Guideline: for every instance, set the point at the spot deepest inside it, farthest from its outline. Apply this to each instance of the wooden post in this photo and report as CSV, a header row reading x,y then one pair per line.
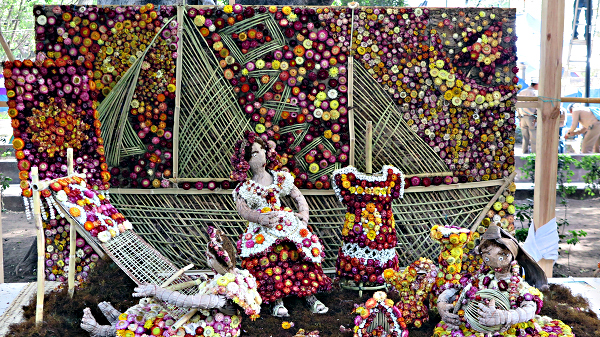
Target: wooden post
x,y
369,148
6,48
546,163
1,248
41,250
351,154
72,233
178,74
231,2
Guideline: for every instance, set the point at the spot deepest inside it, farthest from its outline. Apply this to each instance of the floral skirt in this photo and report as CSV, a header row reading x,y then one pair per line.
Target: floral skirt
x,y
539,326
284,271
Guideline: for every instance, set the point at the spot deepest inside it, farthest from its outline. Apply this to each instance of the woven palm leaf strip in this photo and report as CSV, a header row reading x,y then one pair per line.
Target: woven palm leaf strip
x,y
210,118
119,137
176,224
144,264
393,141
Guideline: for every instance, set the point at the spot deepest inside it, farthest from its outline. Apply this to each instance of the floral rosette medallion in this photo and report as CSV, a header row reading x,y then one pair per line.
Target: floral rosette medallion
x,y
150,318
414,285
369,231
88,207
366,314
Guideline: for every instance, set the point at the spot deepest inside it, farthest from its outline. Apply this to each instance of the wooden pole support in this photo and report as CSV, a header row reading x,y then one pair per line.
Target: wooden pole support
x,y
231,2
546,164
178,75
351,111
369,148
1,248
41,250
72,233
6,48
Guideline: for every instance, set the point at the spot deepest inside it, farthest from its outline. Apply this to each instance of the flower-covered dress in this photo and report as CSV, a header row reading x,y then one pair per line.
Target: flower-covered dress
x,y
286,259
369,231
517,291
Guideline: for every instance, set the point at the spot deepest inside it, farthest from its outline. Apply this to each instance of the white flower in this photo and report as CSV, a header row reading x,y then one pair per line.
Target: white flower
x,y
332,94
61,196
104,236
127,224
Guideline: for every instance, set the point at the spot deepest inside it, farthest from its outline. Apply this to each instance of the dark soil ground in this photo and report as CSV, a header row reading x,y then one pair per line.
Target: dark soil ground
x,y
62,314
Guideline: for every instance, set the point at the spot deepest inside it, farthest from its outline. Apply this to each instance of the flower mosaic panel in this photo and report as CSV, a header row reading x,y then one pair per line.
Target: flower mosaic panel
x,y
452,74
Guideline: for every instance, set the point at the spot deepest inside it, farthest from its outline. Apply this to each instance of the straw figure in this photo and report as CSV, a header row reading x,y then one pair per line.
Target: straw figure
x,y
215,300
278,246
497,301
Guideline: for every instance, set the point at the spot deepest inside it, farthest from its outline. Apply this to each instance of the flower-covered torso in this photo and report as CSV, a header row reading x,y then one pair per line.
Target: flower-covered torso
x,y
369,231
259,239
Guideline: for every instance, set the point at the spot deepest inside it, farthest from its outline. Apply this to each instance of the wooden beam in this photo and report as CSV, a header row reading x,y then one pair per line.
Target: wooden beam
x,y
72,233
178,75
1,248
501,189
369,148
41,250
546,164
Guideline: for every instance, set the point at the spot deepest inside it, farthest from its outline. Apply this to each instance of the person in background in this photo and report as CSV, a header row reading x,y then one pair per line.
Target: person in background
x,y
562,122
576,10
590,126
527,118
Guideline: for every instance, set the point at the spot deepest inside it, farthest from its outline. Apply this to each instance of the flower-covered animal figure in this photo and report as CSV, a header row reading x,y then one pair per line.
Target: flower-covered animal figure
x,y
497,301
217,302
278,247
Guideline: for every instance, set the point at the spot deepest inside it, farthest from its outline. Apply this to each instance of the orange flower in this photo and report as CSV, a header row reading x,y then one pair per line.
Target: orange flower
x,y
74,211
260,239
303,232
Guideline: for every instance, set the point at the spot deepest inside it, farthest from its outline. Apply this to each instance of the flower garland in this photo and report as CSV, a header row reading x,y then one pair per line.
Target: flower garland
x,y
89,207
238,160
414,285
367,312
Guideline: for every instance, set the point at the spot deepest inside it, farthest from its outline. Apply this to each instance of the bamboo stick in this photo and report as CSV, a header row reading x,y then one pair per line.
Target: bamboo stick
x,y
37,216
507,181
42,185
351,130
176,275
72,233
369,148
178,73
6,48
82,232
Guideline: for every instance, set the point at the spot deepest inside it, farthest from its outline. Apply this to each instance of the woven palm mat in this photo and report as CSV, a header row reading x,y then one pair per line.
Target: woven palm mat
x,y
176,224
210,118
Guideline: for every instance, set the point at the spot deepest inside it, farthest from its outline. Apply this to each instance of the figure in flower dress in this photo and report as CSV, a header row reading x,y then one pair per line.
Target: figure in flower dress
x,y
369,231
497,301
278,247
217,301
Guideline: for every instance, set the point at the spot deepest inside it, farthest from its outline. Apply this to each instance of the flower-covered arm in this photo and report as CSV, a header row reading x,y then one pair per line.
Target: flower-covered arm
x,y
490,315
445,308
200,301
303,210
265,219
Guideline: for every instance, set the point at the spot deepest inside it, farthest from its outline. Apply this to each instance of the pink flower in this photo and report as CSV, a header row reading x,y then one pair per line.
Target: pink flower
x,y
250,244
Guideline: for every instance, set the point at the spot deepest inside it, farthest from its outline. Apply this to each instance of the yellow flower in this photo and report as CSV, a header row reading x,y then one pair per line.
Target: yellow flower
x,y
371,235
228,9
222,281
286,10
534,291
171,87
286,325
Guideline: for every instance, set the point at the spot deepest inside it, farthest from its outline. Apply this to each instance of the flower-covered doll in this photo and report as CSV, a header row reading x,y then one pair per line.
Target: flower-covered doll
x,y
278,247
216,301
476,313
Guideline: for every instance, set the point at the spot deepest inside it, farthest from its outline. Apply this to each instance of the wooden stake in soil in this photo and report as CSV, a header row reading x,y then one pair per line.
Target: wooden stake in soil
x,y
1,249
546,164
72,233
37,216
369,148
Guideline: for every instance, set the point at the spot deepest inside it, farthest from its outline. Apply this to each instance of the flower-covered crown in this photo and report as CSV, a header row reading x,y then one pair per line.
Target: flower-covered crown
x,y
238,160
